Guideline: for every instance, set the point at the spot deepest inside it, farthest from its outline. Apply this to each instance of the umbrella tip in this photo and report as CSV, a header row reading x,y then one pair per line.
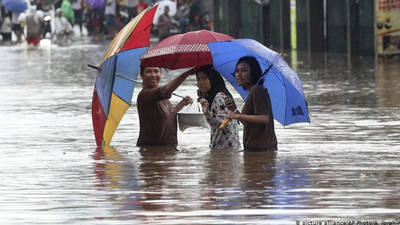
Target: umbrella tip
x,y
93,66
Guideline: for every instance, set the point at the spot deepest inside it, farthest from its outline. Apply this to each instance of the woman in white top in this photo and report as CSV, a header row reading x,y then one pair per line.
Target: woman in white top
x,y
212,95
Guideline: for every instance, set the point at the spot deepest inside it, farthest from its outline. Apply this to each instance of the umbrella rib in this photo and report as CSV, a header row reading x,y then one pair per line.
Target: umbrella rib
x,y
128,78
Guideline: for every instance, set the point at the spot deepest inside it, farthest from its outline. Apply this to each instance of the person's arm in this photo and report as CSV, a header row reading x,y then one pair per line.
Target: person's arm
x,y
259,119
184,102
175,83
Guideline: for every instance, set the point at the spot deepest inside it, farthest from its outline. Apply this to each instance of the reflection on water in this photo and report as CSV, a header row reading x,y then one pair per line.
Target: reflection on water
x,y
343,165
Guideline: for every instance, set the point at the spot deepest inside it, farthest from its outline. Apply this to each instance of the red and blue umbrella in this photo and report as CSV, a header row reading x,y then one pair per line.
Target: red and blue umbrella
x,y
116,77
15,5
284,86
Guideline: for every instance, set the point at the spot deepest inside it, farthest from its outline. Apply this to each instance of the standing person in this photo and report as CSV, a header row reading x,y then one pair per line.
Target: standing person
x,y
213,92
67,10
194,15
157,116
96,20
256,116
6,27
164,24
16,26
110,12
130,5
77,6
182,16
140,6
34,27
62,29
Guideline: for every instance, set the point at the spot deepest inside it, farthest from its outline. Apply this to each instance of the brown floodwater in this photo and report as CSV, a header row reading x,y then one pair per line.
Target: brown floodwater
x,y
343,166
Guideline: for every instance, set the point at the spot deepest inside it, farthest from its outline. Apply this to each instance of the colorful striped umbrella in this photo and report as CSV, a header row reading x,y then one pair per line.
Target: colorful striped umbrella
x,y
115,82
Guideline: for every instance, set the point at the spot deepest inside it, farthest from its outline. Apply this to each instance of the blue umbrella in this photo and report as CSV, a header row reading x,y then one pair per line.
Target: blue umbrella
x,y
15,5
286,92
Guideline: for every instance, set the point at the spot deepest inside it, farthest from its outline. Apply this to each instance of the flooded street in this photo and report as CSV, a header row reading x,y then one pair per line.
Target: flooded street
x,y
343,166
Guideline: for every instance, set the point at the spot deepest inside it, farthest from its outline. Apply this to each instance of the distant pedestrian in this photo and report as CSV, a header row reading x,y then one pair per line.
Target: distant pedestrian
x,y
34,26
62,29
110,13
140,6
6,27
130,5
77,6
16,26
183,16
194,15
96,20
164,24
67,10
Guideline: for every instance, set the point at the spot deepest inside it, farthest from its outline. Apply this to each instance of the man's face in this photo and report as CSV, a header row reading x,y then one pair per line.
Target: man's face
x,y
151,76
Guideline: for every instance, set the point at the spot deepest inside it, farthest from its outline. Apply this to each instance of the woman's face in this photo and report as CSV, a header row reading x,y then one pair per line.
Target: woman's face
x,y
243,75
203,83
151,76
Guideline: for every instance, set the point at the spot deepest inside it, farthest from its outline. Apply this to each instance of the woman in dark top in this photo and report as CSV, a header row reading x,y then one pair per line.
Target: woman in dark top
x,y
256,116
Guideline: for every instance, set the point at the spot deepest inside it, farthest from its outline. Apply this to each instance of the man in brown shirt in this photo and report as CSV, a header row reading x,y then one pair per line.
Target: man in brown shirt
x,y
157,116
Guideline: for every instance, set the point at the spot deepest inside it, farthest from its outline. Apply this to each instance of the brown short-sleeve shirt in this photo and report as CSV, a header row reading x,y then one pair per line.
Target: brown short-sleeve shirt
x,y
258,137
157,118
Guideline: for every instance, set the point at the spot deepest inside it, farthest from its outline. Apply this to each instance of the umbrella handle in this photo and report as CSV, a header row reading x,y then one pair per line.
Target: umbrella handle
x,y
223,124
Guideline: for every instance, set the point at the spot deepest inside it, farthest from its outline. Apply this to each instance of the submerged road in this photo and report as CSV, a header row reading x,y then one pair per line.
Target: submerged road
x,y
344,165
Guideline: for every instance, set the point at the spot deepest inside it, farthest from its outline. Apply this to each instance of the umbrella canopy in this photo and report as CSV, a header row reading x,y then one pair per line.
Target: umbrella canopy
x,y
183,50
161,7
115,82
15,5
285,89
96,4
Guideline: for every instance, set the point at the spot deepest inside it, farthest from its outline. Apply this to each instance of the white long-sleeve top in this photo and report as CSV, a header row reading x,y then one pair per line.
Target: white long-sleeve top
x,y
61,25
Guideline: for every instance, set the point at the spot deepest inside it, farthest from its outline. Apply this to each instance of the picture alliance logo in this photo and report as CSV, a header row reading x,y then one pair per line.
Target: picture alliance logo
x,y
350,222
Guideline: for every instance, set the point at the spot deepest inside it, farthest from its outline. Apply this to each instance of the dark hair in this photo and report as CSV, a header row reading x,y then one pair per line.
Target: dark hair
x,y
217,84
144,67
255,69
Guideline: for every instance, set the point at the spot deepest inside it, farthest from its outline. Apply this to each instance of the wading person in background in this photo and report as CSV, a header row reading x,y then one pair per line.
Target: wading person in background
x,y
110,13
212,94
16,26
256,116
62,29
77,6
157,116
164,24
34,26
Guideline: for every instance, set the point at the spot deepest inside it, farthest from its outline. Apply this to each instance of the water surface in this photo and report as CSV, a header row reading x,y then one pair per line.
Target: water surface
x,y
342,166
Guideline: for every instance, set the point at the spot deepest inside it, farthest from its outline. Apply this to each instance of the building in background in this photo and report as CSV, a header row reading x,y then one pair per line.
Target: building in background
x,y
338,26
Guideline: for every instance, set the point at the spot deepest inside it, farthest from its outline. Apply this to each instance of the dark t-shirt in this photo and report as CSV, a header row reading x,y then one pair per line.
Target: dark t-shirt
x,y
259,137
157,117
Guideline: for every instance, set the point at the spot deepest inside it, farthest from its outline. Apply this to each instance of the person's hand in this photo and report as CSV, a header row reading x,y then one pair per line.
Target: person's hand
x,y
204,105
191,71
229,104
187,100
231,115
